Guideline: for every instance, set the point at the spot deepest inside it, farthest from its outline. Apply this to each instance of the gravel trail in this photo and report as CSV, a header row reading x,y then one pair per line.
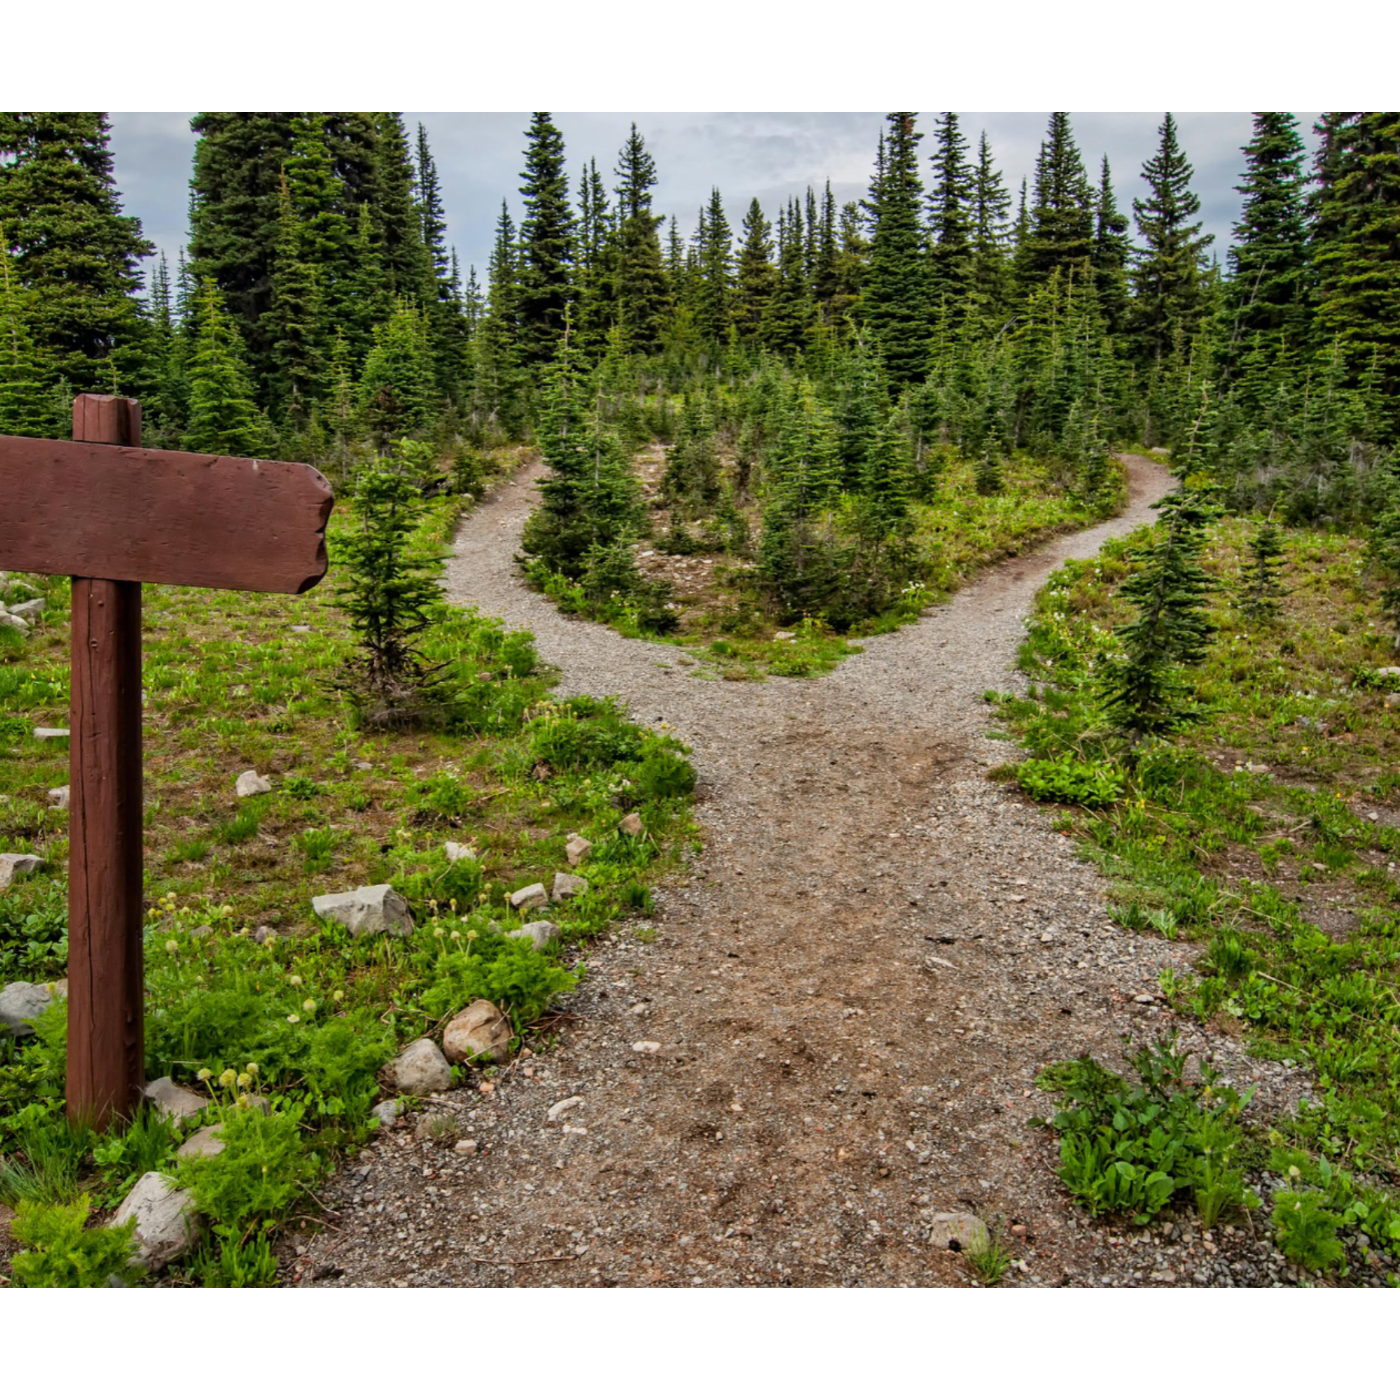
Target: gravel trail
x,y
852,990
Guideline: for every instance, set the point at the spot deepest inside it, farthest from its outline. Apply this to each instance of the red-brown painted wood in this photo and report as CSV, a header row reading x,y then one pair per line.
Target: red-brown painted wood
x,y
120,512
106,986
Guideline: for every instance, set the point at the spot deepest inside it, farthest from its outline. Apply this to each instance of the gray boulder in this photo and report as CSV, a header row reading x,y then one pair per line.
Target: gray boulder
x,y
386,1113
9,619
249,784
28,610
456,851
630,825
567,887
957,1230
369,909
539,933
12,865
577,848
420,1069
59,795
166,1224
205,1143
530,897
481,1032
22,1002
174,1100
42,733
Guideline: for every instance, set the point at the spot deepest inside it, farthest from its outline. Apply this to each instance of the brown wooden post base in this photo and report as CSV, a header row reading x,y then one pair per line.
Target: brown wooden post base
x,y
106,983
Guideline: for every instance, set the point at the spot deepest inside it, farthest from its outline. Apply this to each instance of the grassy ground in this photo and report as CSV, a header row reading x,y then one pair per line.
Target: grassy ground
x,y
246,987
723,629
1269,831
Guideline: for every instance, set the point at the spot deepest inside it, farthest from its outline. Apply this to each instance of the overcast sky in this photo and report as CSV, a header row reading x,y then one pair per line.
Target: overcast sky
x,y
770,154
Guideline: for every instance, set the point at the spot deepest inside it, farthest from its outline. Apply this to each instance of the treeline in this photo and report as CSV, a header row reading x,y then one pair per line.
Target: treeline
x,y
319,311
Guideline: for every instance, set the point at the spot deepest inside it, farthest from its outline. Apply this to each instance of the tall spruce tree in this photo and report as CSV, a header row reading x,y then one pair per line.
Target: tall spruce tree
x,y
27,406
1059,230
952,215
757,278
640,276
896,290
1168,271
788,318
296,326
715,266
398,227
72,248
1266,297
223,416
547,236
396,391
1110,254
1357,256
990,231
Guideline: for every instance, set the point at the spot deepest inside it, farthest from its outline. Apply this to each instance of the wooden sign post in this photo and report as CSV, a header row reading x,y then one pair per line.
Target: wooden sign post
x,y
113,516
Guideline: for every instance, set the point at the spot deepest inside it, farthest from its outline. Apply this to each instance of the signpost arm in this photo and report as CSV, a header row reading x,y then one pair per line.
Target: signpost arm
x,y
106,985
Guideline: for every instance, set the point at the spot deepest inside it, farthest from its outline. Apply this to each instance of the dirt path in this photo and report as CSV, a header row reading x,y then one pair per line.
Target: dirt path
x,y
852,992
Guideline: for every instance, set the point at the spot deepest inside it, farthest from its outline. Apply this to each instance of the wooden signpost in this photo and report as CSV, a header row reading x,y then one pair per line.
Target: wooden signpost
x,y
112,515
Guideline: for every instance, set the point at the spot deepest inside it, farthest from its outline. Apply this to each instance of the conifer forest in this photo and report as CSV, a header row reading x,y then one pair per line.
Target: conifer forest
x,y
874,721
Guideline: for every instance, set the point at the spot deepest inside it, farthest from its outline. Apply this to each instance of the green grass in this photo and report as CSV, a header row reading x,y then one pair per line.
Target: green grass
x,y
304,1014
1250,831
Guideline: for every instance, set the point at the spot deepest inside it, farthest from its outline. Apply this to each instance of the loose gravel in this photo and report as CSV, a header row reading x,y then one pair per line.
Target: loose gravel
x,y
836,1030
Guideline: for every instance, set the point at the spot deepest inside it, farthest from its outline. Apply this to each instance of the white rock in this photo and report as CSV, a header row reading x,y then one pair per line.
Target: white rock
x,y
174,1099
577,848
539,933
567,886
60,798
205,1143
420,1069
12,865
630,825
558,1110
480,1032
466,1148
782,636
249,784
22,1002
8,619
27,610
456,851
647,1047
166,1225
530,897
369,909
42,733
957,1230
387,1113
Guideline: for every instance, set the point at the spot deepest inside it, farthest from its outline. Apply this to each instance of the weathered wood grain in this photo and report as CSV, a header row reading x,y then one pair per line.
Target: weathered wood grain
x,y
106,982
100,511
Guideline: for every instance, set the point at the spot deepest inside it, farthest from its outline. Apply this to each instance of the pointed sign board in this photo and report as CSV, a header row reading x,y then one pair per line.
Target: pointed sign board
x,y
113,515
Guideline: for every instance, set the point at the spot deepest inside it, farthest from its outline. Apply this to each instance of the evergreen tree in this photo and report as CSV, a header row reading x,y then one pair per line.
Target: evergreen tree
x,y
432,222
71,247
1358,256
896,290
989,233
547,243
1110,254
952,212
1058,231
1168,271
398,232
165,401
788,319
223,417
1266,296
296,329
714,266
314,197
26,399
757,278
1142,684
1260,589
396,395
640,276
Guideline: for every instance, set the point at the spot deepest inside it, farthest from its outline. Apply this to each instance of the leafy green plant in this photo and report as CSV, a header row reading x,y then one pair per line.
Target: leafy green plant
x,y
1132,1148
989,1258
1306,1231
260,1174
1066,779
62,1253
666,773
237,1264
504,970
300,786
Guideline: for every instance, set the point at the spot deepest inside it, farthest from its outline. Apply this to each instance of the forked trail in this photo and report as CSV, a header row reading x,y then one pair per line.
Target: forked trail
x,y
852,990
